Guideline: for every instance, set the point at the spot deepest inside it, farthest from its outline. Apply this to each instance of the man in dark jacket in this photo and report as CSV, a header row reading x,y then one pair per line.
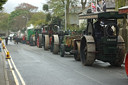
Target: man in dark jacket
x,y
6,40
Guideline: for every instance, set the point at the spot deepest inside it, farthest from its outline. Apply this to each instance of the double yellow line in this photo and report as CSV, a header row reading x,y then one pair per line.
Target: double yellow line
x,y
13,67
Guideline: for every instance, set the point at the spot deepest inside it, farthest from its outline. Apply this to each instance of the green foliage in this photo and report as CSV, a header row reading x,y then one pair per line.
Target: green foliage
x,y
57,7
20,17
120,3
83,25
48,17
1,3
17,13
4,21
37,18
45,7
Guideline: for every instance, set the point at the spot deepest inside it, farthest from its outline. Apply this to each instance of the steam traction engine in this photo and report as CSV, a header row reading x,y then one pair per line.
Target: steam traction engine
x,y
102,40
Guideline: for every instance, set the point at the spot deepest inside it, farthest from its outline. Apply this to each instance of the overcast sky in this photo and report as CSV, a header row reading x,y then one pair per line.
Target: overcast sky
x,y
11,4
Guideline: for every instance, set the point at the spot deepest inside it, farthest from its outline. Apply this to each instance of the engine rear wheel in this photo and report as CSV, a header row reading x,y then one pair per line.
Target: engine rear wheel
x,y
46,42
87,50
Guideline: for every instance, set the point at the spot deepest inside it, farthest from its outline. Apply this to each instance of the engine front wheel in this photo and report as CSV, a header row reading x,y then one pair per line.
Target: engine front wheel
x,y
62,50
87,50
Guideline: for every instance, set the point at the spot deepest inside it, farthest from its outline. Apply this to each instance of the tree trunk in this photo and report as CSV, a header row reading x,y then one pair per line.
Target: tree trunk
x,y
83,3
67,12
126,2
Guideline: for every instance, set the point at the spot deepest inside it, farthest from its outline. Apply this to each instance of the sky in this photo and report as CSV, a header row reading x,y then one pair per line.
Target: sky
x,y
11,4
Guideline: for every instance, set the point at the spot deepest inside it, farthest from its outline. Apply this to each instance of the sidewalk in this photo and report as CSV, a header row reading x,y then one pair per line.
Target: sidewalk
x,y
2,71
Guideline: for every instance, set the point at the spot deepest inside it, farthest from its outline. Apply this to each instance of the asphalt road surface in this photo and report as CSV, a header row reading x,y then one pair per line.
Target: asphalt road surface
x,y
39,67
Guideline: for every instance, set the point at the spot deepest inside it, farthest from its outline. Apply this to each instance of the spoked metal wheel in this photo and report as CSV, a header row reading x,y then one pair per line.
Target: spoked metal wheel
x,y
87,50
46,42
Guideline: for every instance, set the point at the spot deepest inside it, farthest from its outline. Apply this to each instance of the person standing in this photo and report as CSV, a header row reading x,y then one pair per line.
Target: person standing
x,y
10,39
17,40
6,40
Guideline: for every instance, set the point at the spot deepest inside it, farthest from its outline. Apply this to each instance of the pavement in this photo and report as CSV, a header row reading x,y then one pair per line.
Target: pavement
x,y
2,70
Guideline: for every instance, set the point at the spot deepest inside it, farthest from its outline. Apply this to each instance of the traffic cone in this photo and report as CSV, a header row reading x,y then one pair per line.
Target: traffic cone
x,y
8,55
3,46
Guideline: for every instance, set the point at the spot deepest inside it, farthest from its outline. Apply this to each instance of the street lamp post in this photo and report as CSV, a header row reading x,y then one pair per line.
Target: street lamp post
x,y
65,17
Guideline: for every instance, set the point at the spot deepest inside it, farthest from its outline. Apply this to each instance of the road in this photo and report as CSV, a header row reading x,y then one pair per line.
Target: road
x,y
39,67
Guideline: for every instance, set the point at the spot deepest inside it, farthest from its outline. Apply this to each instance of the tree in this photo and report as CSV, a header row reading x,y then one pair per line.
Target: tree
x,y
58,7
83,3
20,17
4,21
1,3
48,18
45,7
120,3
37,18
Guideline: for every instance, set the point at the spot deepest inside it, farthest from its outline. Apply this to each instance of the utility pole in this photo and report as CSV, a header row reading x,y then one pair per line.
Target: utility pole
x,y
65,16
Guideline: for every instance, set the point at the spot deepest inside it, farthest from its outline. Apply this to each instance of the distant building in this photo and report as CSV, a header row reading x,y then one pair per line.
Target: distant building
x,y
73,15
110,5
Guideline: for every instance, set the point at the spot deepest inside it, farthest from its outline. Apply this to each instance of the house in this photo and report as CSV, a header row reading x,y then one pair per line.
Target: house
x,y
73,15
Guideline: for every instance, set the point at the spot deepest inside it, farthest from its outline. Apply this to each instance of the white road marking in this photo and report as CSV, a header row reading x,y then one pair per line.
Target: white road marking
x,y
13,73
18,73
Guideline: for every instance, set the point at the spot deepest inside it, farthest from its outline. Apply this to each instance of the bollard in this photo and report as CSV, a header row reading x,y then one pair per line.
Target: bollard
x,y
8,55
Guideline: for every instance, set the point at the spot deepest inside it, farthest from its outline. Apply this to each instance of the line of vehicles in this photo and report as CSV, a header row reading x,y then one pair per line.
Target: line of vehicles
x,y
100,40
